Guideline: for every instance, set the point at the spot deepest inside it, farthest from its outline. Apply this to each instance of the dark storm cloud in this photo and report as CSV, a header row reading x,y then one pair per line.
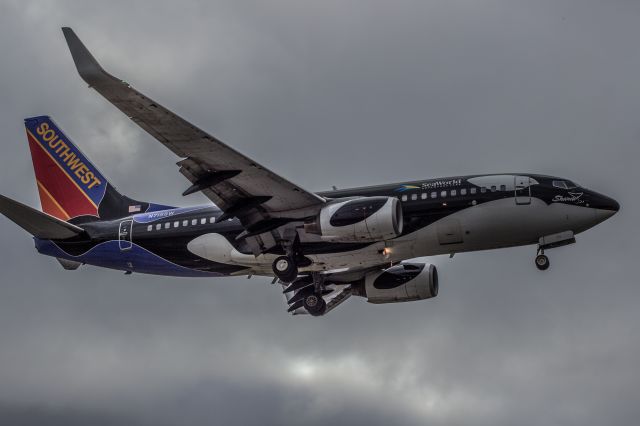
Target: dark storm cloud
x,y
332,93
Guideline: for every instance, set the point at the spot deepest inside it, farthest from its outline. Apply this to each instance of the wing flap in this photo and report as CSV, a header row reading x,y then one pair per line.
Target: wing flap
x,y
37,223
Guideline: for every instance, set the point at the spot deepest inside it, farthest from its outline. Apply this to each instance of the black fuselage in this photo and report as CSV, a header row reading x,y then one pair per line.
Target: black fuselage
x,y
167,234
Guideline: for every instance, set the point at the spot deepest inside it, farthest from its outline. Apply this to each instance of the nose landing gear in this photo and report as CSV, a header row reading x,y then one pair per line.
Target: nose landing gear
x,y
552,241
542,261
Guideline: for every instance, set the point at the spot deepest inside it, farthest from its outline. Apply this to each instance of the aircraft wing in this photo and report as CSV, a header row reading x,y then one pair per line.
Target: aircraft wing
x,y
238,185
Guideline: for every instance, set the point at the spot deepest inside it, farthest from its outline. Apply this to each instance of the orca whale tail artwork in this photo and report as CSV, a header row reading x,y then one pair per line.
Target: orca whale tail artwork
x,y
71,188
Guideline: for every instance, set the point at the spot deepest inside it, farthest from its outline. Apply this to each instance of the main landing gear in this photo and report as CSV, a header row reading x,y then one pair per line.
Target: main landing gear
x,y
285,268
314,302
542,261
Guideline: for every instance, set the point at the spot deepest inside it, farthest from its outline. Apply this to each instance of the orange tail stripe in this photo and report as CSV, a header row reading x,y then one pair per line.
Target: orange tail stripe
x,y
50,205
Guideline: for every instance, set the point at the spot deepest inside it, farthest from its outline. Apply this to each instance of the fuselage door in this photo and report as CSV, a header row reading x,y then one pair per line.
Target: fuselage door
x,y
523,190
124,234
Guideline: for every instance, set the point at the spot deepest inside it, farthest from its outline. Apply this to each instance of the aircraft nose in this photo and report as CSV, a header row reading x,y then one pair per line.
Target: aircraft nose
x,y
606,207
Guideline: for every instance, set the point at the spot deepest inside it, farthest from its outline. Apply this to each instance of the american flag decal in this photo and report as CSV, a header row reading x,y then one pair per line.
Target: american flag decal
x,y
135,209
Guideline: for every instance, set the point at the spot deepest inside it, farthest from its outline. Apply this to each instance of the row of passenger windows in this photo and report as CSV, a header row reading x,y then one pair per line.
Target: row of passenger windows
x,y
405,197
177,223
452,193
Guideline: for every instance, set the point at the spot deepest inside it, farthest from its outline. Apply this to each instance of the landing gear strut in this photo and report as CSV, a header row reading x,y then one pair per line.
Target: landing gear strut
x,y
542,261
286,267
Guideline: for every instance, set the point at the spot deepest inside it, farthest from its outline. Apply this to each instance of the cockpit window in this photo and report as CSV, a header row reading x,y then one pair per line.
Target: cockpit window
x,y
564,184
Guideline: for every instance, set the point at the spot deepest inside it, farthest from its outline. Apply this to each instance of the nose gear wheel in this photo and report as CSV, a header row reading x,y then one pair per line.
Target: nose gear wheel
x,y
542,261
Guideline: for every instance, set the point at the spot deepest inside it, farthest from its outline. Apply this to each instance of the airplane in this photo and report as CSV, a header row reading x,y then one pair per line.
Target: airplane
x,y
321,247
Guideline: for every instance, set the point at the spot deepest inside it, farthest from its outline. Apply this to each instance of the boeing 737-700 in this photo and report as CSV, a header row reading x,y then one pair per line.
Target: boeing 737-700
x,y
321,247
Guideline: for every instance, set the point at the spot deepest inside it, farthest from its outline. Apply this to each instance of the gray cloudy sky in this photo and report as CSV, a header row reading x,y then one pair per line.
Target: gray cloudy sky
x,y
342,93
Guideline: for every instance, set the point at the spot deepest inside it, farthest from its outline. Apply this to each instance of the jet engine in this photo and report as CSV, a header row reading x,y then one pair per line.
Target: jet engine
x,y
400,283
365,219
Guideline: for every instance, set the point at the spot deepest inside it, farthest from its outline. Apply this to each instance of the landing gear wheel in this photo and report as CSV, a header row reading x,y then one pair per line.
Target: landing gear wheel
x,y
542,262
315,304
285,269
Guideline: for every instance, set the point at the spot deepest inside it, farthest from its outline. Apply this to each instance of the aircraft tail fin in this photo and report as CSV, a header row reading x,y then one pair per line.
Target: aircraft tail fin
x,y
37,223
69,185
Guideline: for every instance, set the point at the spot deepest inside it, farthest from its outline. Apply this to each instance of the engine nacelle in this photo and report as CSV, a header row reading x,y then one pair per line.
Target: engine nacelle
x,y
400,283
359,219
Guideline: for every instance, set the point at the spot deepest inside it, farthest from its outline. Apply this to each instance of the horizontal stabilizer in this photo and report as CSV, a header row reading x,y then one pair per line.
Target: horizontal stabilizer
x,y
37,223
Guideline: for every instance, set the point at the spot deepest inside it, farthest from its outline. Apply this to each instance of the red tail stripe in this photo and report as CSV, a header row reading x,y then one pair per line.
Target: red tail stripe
x,y
71,199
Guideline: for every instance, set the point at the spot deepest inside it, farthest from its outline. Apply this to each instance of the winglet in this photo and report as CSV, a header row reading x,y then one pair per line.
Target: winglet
x,y
88,68
37,223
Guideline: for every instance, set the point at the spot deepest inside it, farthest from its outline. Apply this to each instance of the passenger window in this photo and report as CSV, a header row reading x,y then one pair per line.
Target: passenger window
x,y
472,191
503,187
194,222
483,189
185,223
149,228
434,194
454,192
463,191
212,220
176,224
203,221
493,188
167,225
404,198
414,197
443,194
158,227
423,196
